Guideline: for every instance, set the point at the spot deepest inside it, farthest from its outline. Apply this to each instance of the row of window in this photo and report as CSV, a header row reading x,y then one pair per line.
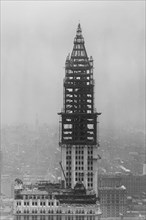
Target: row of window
x,y
90,167
79,174
51,203
90,185
68,162
36,211
68,167
79,179
79,168
68,174
90,152
78,162
90,162
90,179
79,152
68,152
79,157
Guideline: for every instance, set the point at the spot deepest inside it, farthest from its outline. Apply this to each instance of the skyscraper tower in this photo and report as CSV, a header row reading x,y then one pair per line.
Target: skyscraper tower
x,y
79,140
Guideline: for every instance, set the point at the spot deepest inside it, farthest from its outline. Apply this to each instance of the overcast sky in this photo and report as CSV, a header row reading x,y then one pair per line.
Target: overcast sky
x,y
36,37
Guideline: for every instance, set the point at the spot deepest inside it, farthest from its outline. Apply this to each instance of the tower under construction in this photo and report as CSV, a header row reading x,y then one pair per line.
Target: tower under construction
x,y
79,145
79,141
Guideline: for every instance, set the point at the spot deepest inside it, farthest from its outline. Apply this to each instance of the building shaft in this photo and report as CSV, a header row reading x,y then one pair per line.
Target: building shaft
x,y
79,140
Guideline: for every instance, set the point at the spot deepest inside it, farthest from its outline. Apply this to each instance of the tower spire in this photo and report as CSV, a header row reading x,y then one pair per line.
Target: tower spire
x,y
79,30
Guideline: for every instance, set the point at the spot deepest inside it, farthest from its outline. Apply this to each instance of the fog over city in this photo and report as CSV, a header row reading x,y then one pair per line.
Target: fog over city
x,y
73,164
36,38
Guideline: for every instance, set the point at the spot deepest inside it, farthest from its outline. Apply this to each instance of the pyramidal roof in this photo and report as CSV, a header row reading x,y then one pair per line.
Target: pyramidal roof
x,y
79,57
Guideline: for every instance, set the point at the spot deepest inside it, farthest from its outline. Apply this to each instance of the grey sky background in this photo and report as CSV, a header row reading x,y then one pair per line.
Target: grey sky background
x,y
36,37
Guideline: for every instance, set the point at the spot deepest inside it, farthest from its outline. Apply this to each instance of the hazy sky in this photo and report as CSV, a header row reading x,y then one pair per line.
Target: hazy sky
x,y
36,37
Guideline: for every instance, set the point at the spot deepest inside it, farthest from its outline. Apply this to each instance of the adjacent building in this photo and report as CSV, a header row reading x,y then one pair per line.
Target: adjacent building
x,y
109,180
135,184
113,201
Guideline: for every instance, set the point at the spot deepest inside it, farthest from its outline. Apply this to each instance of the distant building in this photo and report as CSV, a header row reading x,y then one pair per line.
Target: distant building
x,y
135,184
108,180
113,201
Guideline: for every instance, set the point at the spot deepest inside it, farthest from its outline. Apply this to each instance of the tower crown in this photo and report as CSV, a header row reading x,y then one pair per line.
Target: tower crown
x,y
79,59
79,117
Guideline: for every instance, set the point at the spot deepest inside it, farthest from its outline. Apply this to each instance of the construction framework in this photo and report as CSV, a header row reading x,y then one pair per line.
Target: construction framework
x,y
79,117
